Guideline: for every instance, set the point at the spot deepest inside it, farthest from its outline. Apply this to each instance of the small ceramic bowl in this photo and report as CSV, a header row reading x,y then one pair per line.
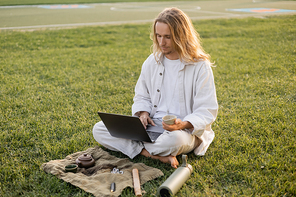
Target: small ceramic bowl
x,y
169,119
71,168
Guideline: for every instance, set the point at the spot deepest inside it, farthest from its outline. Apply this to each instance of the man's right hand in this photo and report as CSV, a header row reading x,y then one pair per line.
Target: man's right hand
x,y
145,119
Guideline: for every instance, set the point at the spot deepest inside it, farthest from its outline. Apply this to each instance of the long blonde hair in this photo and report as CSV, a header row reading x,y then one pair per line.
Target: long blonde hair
x,y
185,38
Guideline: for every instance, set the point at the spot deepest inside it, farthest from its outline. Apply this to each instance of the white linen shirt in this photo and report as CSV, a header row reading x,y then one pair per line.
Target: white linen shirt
x,y
197,96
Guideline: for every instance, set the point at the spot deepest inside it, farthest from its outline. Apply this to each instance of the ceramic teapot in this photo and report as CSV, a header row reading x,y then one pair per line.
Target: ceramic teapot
x,y
85,161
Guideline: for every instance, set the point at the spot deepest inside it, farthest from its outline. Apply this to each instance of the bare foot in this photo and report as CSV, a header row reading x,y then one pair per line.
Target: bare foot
x,y
165,159
169,159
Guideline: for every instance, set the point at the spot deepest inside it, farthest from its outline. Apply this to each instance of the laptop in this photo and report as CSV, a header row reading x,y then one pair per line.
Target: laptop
x,y
130,127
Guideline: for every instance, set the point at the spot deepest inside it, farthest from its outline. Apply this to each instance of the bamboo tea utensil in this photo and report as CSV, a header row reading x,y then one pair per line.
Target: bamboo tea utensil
x,y
136,180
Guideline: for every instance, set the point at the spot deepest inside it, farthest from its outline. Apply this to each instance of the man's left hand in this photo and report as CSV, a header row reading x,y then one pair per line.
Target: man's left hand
x,y
179,125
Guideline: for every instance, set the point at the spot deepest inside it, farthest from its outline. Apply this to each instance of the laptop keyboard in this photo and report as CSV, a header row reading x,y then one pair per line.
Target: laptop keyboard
x,y
153,135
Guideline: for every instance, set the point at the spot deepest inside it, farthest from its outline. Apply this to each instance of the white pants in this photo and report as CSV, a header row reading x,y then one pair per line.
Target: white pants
x,y
168,143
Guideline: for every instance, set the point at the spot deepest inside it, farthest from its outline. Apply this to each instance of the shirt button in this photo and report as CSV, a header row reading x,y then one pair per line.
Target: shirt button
x,y
155,105
158,90
160,74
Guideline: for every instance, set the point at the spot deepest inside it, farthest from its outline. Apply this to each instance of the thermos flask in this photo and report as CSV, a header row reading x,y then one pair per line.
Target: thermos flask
x,y
172,185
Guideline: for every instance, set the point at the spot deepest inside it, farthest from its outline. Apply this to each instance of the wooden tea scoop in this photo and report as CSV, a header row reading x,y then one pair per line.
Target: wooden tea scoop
x,y
136,180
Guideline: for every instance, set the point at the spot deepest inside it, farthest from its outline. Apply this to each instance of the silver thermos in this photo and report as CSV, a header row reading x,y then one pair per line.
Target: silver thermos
x,y
172,185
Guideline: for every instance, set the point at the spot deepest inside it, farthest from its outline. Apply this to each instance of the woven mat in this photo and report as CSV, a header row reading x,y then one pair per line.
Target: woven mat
x,y
97,179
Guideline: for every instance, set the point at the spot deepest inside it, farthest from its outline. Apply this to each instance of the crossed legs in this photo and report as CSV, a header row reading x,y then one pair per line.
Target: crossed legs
x,y
165,148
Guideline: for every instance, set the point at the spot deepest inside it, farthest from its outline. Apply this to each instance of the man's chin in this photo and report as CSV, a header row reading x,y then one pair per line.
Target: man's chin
x,y
166,52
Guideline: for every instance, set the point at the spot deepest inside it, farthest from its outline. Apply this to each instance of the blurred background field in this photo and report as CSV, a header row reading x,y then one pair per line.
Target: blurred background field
x,y
94,14
54,81
39,2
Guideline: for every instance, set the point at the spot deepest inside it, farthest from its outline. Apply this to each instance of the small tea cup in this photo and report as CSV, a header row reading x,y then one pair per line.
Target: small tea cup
x,y
169,119
71,168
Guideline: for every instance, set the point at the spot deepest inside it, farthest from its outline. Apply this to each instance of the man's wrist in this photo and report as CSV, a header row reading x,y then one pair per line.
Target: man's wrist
x,y
187,125
143,113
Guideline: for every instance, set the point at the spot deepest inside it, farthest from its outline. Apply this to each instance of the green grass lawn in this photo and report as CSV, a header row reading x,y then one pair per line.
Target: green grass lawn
x,y
54,81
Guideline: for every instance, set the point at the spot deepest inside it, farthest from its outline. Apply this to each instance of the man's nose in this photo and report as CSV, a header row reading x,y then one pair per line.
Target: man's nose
x,y
162,42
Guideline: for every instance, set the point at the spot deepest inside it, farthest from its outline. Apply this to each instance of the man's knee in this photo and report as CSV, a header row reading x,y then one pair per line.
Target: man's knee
x,y
98,129
98,126
178,138
172,143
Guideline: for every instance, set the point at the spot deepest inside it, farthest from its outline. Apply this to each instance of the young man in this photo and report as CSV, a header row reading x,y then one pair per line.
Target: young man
x,y
176,79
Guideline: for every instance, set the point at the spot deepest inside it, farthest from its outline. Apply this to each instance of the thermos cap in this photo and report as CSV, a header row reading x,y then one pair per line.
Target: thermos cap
x,y
190,168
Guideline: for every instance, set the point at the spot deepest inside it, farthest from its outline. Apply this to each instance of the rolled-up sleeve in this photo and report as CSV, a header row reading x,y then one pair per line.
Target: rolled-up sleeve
x,y
142,101
205,105
142,98
146,91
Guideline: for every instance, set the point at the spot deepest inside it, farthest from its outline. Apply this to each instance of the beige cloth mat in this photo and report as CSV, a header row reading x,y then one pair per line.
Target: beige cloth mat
x,y
97,180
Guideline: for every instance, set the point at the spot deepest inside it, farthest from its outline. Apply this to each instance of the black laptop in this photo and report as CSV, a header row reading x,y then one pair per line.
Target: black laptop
x,y
130,127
